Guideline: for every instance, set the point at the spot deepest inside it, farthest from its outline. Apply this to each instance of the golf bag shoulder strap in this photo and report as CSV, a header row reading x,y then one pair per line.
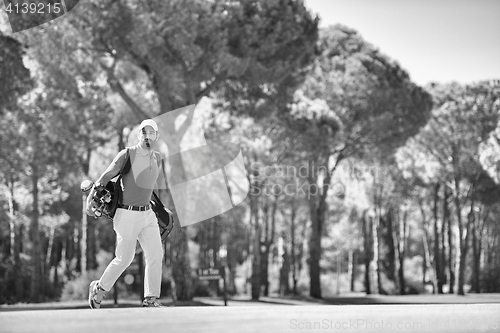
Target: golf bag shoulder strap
x,y
127,165
116,186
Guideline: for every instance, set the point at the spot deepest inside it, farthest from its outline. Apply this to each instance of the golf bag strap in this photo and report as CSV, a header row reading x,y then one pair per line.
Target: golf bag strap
x,y
126,165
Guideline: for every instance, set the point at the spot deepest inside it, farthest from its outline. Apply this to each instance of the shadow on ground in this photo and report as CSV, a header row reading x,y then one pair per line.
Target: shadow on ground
x,y
402,299
83,305
358,299
348,299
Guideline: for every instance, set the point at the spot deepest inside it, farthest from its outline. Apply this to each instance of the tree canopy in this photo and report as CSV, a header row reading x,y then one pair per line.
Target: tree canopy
x,y
15,77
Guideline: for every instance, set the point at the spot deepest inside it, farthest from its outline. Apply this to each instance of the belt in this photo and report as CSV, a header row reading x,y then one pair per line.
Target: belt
x,y
138,208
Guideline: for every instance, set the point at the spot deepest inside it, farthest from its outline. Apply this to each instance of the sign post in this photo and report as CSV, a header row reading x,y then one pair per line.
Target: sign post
x,y
214,274
223,269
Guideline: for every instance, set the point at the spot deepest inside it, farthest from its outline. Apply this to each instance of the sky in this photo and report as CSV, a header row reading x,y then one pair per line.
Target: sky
x,y
433,40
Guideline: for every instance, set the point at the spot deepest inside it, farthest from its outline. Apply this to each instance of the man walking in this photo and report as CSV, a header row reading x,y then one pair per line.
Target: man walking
x,y
134,219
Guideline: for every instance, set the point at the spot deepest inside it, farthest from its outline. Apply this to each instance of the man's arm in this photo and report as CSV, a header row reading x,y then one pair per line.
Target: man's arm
x,y
155,190
113,169
111,172
160,181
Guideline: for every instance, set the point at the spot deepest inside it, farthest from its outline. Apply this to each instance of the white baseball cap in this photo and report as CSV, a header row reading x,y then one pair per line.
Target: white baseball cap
x,y
148,122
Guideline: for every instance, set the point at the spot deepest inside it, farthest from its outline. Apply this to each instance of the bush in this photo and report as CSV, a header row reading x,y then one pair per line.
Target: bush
x,y
302,288
389,287
78,288
8,281
202,289
413,276
490,280
414,286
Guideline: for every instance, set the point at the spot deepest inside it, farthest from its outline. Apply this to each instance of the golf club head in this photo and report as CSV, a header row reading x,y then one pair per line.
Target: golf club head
x,y
86,185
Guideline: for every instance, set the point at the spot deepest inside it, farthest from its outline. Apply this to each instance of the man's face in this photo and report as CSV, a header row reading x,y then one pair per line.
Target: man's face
x,y
148,135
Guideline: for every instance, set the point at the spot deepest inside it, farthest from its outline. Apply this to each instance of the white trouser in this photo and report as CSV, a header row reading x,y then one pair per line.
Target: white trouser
x,y
131,226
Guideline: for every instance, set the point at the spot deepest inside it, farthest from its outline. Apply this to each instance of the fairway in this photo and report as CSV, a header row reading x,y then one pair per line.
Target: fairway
x,y
275,318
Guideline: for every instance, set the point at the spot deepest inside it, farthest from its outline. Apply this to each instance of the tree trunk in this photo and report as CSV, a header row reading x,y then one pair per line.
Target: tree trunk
x,y
392,241
48,257
36,277
479,259
476,255
351,271
264,270
85,164
458,210
446,217
285,267
478,250
55,262
83,239
376,256
15,244
315,251
437,248
72,249
121,139
181,271
339,269
427,255
215,246
255,220
402,254
424,263
77,236
317,209
12,221
231,266
451,261
170,254
45,271
256,252
368,251
18,280
296,249
91,244
292,249
464,246
181,267
269,243
300,253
